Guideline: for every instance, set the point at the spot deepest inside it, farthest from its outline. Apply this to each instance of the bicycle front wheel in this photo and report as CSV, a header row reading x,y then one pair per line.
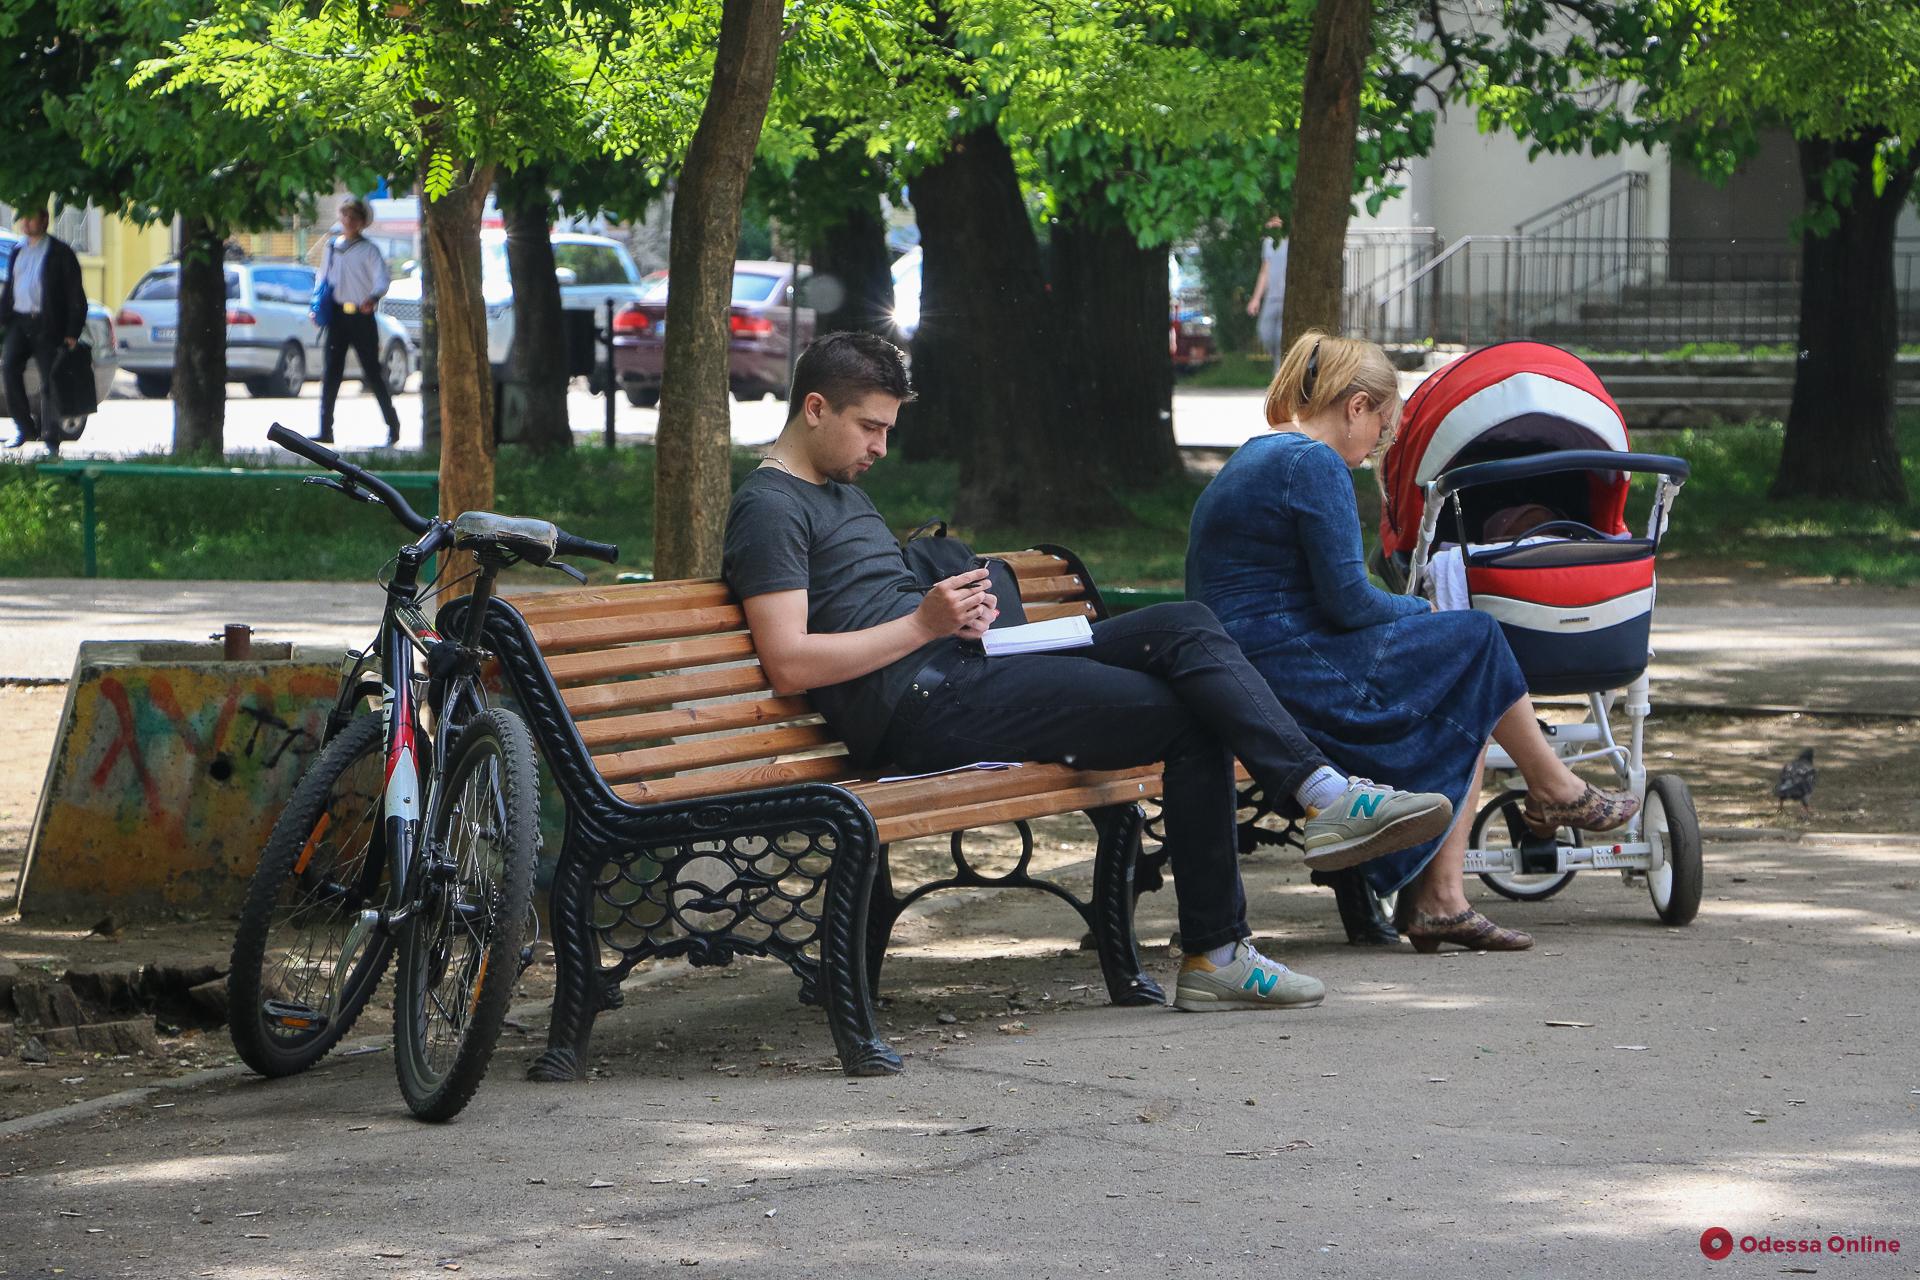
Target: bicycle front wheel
x,y
460,950
305,960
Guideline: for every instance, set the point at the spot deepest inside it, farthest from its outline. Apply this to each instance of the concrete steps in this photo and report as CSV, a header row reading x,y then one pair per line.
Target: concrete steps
x,y
1657,393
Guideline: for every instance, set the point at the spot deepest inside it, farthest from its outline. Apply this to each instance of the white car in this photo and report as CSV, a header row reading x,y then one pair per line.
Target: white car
x,y
592,270
273,344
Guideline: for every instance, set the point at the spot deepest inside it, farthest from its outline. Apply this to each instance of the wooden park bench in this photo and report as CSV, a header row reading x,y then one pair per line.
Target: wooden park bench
x,y
708,817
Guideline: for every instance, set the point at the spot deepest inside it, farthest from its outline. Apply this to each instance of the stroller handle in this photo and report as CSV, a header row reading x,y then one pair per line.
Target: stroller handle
x,y
1543,464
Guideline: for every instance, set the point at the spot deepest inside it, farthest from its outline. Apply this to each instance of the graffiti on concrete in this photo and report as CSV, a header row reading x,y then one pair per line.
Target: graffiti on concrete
x,y
166,781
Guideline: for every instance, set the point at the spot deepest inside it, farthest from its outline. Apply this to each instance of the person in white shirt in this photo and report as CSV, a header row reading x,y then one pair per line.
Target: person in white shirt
x,y
357,270
43,306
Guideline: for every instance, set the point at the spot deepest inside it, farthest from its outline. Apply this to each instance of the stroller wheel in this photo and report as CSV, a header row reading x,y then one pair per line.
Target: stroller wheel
x,y
1498,826
1675,874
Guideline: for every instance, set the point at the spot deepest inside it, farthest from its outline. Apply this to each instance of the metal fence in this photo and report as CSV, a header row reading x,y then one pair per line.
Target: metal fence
x,y
1628,293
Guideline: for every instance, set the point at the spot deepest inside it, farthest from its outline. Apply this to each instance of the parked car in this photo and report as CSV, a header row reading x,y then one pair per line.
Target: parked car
x,y
592,269
1189,325
759,319
99,334
273,345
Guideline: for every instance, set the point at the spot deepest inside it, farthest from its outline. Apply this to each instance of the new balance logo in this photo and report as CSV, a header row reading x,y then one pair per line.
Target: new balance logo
x,y
1262,979
1365,805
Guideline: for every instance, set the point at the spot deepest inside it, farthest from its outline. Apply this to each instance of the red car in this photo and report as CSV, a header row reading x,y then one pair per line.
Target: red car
x,y
760,318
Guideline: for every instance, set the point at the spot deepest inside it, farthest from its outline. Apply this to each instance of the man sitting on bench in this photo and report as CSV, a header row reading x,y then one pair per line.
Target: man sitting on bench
x,y
898,673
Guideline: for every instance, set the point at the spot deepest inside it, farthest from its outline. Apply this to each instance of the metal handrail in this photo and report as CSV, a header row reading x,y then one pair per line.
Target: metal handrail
x,y
1580,201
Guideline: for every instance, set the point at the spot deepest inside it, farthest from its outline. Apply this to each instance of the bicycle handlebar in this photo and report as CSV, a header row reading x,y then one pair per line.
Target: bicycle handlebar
x,y
569,545
319,454
293,442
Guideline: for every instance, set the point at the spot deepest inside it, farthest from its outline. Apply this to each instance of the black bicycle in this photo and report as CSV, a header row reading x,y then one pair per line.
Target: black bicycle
x,y
385,848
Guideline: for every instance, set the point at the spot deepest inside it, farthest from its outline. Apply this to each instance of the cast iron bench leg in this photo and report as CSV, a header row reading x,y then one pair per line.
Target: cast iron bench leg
x,y
846,968
579,987
1113,899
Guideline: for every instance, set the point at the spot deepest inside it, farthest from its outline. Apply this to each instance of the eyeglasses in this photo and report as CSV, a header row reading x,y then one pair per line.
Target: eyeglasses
x,y
1313,371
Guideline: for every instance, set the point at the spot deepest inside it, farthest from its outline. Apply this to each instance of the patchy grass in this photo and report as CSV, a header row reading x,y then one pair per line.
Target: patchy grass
x,y
1232,373
1724,512
218,528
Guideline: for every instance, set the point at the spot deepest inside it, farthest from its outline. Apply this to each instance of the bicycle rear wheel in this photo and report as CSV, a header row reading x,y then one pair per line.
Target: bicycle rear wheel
x,y
302,966
460,951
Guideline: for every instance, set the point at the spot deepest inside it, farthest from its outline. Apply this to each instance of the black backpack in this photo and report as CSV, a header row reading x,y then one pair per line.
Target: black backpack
x,y
934,556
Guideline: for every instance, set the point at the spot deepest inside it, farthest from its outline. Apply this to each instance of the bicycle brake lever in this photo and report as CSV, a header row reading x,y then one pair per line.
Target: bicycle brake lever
x,y
569,570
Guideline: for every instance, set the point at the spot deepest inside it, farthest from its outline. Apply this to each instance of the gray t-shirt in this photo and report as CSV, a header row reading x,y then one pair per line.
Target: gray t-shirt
x,y
784,534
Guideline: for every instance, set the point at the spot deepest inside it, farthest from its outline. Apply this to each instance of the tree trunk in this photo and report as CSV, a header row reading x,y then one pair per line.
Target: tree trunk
x,y
852,255
533,411
466,382
1840,441
692,482
984,357
200,343
1337,52
1111,311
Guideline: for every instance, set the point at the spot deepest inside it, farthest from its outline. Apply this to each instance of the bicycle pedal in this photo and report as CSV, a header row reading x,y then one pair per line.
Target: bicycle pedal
x,y
294,1017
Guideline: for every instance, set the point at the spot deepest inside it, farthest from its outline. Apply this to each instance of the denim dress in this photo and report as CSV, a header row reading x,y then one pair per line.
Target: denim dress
x,y
1385,687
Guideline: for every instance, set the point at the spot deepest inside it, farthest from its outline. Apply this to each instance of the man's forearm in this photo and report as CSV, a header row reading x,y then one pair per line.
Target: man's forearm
x,y
810,661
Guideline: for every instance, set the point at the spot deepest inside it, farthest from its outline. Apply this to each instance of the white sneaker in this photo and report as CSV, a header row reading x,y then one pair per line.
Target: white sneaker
x,y
1368,821
1248,981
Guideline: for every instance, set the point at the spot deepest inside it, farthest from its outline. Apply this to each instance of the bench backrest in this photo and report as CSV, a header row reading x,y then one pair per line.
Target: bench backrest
x,y
669,697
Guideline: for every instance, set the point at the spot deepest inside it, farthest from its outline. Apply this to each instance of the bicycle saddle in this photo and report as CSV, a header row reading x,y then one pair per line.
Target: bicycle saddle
x,y
531,540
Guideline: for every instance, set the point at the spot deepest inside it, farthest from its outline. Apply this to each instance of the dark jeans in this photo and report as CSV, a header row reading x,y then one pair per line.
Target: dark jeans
x,y
357,331
26,341
1163,684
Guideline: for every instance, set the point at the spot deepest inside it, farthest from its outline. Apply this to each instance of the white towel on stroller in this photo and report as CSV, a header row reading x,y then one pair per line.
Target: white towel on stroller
x,y
1446,583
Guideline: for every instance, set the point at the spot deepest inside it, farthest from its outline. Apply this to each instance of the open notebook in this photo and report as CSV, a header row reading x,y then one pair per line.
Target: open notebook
x,y
1038,637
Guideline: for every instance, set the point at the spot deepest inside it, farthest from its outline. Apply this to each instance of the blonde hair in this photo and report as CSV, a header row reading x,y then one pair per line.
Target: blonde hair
x,y
1339,367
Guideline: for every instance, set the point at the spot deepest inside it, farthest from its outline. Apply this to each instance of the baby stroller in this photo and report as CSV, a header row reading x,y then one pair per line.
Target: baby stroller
x,y
1514,428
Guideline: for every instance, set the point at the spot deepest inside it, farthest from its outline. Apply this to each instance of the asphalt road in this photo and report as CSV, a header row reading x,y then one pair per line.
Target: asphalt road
x,y
128,424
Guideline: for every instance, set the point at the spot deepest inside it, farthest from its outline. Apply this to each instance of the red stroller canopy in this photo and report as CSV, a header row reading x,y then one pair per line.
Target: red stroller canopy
x,y
1507,400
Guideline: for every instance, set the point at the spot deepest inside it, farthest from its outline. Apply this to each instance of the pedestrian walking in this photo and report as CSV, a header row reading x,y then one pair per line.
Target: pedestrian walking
x,y
1270,289
356,272
43,307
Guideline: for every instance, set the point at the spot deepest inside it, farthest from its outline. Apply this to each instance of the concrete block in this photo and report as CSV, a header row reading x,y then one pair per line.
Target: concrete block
x,y
113,988
57,1040
211,999
169,770
44,1002
134,1035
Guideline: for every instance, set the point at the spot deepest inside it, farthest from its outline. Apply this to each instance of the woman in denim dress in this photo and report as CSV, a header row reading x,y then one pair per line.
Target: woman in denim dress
x,y
1380,682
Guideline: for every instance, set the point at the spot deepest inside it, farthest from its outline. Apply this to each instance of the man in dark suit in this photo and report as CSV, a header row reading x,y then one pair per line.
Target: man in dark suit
x,y
43,306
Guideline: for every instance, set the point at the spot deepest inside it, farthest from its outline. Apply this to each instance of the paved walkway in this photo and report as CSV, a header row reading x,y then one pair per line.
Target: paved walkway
x,y
1586,1109
1821,649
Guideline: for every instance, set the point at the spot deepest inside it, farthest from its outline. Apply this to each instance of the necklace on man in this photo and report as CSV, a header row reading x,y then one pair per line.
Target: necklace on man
x,y
776,462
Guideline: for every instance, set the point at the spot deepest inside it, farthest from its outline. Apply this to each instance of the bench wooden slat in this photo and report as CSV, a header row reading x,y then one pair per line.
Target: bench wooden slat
x,y
598,633
1116,789
1068,609
1039,564
644,659
1066,587
636,597
726,782
740,748
978,786
711,717
662,691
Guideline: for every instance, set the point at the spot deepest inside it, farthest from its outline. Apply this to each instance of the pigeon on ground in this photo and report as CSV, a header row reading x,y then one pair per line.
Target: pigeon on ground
x,y
1796,781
